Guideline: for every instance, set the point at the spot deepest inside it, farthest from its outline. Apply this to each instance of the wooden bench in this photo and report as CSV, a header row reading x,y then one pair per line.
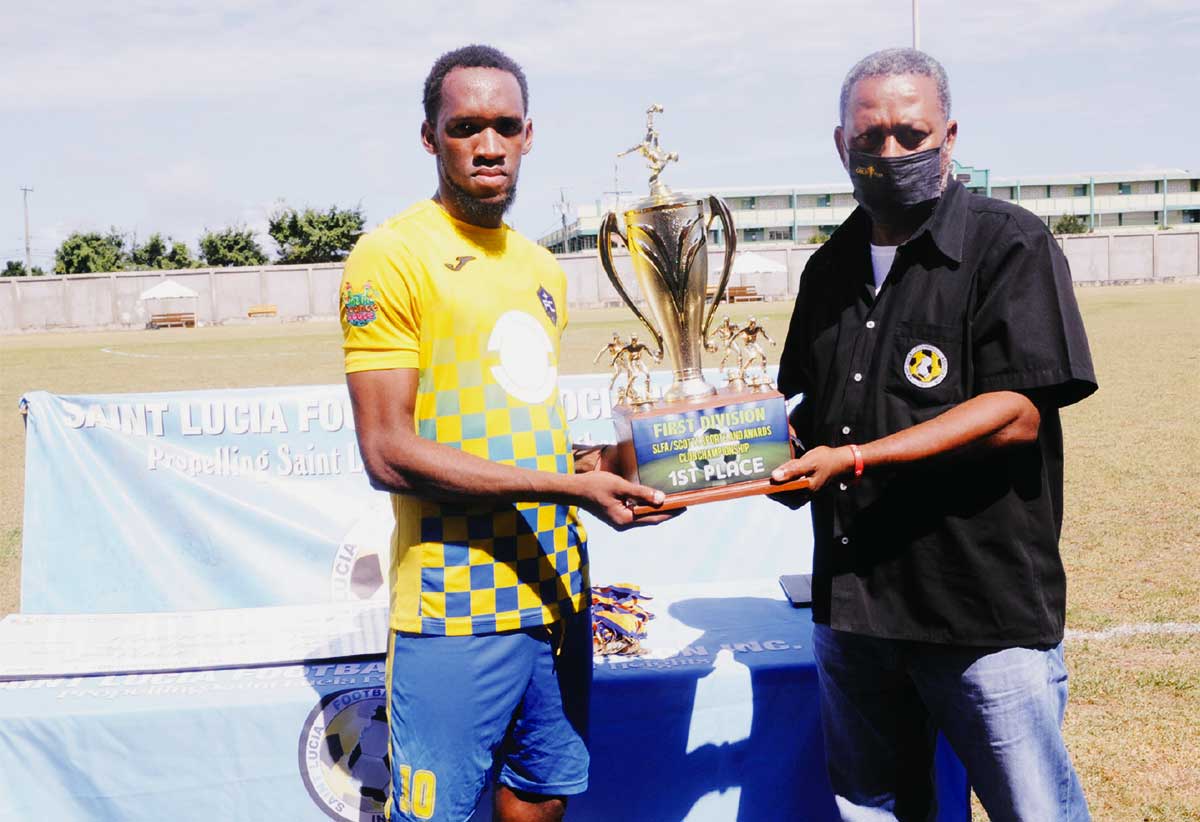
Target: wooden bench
x,y
735,294
743,294
182,319
265,310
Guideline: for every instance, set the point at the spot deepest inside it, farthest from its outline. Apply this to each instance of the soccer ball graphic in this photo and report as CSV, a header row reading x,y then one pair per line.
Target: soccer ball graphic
x,y
925,366
360,564
701,443
348,771
367,763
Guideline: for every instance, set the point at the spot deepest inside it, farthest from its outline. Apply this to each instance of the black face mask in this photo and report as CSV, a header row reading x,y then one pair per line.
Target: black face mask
x,y
890,187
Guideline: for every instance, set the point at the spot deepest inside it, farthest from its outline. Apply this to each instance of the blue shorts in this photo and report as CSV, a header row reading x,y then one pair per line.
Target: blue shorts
x,y
462,708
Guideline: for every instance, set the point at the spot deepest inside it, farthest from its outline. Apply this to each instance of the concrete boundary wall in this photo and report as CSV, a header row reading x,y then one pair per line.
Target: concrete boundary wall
x,y
111,300
305,291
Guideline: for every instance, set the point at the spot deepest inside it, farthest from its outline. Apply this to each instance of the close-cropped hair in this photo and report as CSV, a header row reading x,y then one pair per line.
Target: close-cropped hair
x,y
472,56
893,62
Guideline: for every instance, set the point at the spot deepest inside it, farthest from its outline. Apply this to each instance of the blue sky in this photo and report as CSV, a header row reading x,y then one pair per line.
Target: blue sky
x,y
181,116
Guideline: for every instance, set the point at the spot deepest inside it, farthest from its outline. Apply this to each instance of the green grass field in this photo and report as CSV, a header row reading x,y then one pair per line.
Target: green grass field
x,y
1131,539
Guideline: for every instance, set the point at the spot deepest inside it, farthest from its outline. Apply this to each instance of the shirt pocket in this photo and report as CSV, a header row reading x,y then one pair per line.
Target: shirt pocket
x,y
925,367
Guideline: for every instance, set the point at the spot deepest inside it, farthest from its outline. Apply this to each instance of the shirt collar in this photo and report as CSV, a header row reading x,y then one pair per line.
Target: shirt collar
x,y
946,225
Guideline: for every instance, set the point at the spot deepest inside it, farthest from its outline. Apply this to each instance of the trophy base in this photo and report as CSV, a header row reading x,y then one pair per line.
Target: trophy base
x,y
705,449
685,499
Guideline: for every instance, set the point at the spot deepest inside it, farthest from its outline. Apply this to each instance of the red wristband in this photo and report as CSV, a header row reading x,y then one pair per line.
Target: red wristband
x,y
858,461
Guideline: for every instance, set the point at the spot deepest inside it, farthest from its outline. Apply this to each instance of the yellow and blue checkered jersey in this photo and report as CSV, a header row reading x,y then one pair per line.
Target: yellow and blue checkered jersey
x,y
479,312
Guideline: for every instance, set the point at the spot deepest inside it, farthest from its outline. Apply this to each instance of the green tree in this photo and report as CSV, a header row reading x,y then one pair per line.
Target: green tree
x,y
231,246
149,254
13,268
154,253
312,236
1070,224
817,238
180,256
85,252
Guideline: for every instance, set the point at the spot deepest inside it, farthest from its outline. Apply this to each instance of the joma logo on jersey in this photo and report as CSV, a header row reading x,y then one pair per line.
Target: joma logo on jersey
x,y
459,263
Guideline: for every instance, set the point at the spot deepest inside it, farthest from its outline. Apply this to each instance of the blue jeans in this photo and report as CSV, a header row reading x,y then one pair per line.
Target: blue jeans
x,y
883,702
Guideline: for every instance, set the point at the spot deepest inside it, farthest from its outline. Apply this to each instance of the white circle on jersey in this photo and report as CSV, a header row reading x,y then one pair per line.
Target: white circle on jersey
x,y
526,369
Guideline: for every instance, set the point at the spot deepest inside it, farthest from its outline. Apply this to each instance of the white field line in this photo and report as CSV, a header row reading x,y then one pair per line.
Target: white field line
x,y
1135,629
118,353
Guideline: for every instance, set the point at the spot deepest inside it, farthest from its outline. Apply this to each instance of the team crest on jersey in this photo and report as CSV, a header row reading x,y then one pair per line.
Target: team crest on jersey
x,y
926,365
359,305
344,755
548,303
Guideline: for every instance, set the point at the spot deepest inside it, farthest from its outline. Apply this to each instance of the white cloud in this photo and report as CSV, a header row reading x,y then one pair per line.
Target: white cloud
x,y
184,115
144,51
79,54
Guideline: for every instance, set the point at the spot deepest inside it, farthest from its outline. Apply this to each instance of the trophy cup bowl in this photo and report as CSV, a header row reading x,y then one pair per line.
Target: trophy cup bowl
x,y
667,238
697,443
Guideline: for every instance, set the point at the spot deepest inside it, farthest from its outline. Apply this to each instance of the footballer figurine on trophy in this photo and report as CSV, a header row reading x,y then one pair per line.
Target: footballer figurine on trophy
x,y
619,361
726,342
636,367
656,158
753,352
695,443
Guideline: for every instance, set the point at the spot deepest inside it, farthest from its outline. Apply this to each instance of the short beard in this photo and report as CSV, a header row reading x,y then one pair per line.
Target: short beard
x,y
476,211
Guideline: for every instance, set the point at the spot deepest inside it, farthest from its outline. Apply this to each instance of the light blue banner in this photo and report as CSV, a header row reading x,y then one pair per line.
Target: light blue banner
x,y
257,497
726,728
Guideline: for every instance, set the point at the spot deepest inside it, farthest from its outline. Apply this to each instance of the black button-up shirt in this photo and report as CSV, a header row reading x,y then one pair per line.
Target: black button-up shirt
x,y
956,550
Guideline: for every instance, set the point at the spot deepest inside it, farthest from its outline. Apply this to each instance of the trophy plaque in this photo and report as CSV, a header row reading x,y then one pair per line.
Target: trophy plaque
x,y
696,443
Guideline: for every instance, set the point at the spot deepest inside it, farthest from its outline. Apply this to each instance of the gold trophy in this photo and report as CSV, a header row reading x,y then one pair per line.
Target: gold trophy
x,y
695,443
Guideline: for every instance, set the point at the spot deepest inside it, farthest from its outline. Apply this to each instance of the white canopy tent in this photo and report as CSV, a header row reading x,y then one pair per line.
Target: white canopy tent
x,y
168,303
749,262
767,277
168,290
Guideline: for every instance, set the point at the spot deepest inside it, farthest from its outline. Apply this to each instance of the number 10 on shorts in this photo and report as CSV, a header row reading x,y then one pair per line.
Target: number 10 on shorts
x,y
418,792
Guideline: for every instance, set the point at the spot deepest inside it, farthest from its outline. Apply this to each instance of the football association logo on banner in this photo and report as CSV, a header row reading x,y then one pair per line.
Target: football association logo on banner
x,y
344,755
361,561
925,366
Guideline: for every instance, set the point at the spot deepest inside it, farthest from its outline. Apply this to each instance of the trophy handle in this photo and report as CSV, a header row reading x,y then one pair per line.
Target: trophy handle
x,y
719,209
608,227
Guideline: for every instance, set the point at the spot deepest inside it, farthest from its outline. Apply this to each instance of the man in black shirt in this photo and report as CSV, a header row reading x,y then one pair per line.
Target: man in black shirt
x,y
934,338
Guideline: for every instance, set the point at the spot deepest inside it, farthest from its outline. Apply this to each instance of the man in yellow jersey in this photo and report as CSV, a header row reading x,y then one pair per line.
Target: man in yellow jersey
x,y
452,370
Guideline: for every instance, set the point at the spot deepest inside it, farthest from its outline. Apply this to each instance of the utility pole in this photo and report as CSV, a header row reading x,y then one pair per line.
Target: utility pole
x,y
28,260
617,191
916,21
563,208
